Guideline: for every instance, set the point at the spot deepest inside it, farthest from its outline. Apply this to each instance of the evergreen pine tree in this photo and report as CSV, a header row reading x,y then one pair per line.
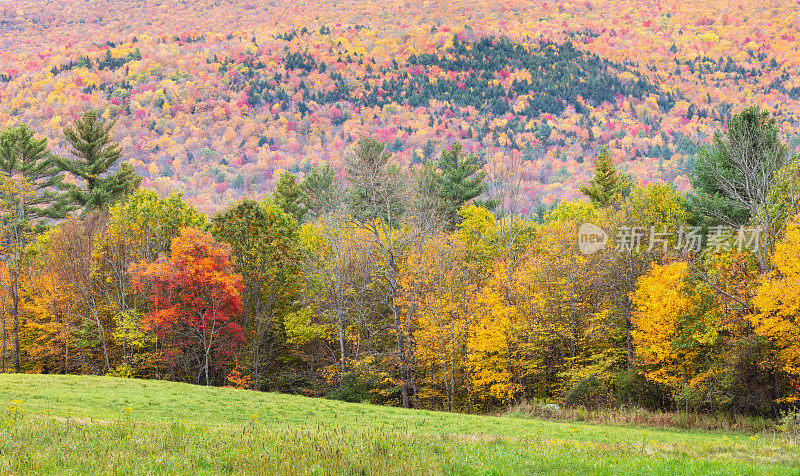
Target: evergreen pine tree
x,y
30,199
457,180
288,194
320,192
608,187
95,154
29,159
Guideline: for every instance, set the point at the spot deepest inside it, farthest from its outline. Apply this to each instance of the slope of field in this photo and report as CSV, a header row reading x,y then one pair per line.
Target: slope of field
x,y
217,99
103,425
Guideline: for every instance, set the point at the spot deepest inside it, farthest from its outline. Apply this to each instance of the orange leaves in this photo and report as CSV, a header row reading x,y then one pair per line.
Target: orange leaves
x,y
195,295
199,270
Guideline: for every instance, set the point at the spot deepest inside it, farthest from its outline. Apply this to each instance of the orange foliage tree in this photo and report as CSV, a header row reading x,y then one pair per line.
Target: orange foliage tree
x,y
195,296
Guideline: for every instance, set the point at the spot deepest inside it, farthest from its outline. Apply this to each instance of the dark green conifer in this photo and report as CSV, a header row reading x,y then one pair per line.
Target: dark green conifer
x,y
95,154
457,180
23,156
288,195
608,187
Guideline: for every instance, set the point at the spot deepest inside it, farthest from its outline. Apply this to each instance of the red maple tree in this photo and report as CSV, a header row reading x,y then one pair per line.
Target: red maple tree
x,y
195,295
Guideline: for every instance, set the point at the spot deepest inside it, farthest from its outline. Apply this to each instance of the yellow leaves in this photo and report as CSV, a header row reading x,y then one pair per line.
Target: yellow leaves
x,y
627,77
672,324
490,336
300,328
709,37
778,300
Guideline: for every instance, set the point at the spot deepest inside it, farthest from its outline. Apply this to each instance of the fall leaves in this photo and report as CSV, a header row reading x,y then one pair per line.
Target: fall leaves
x,y
778,301
220,106
194,296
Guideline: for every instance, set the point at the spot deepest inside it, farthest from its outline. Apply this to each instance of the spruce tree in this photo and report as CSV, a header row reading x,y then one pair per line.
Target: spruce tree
x,y
457,180
95,154
608,187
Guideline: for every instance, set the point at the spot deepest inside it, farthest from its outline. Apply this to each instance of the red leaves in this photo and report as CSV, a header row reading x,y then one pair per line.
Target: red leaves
x,y
194,296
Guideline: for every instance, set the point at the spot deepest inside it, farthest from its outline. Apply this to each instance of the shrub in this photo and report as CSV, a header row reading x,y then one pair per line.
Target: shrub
x,y
354,387
789,424
588,392
535,409
750,383
122,371
633,389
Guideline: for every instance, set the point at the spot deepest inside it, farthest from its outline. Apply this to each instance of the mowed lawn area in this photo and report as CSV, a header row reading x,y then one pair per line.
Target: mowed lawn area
x,y
89,425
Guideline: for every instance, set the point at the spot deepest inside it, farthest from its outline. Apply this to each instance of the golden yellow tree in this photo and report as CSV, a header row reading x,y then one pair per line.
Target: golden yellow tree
x,y
490,344
778,302
675,328
446,283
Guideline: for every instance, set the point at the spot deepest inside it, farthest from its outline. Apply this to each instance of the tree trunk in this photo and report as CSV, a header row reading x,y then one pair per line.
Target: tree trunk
x,y
5,338
401,350
340,323
102,334
206,365
15,315
628,338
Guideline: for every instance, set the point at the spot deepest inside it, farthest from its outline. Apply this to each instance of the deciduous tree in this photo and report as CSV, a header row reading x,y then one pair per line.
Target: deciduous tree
x,y
195,296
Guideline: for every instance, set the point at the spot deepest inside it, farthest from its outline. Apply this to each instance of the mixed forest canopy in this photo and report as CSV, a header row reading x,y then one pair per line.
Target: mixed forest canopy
x,y
319,200
424,287
229,96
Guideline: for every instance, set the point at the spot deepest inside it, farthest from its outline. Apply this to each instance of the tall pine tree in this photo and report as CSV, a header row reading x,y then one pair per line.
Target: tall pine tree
x,y
29,200
288,195
95,154
457,180
320,192
24,157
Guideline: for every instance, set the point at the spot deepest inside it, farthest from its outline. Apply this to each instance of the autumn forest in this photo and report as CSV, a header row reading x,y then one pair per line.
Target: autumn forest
x,y
388,208
422,287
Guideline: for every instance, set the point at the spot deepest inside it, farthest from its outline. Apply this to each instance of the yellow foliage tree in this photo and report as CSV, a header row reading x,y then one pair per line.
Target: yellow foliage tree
x,y
778,301
675,328
490,342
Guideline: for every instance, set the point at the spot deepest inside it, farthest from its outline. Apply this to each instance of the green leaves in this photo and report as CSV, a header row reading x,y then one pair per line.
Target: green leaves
x,y
737,177
24,157
288,196
455,180
95,154
149,223
607,187
265,247
321,194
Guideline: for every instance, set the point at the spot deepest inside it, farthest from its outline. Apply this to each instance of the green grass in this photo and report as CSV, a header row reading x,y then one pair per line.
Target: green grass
x,y
79,424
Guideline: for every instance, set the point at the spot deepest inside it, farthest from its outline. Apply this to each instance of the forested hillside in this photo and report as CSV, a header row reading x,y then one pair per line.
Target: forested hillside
x,y
459,207
418,287
217,99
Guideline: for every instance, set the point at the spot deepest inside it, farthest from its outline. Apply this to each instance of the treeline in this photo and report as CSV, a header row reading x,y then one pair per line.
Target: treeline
x,y
420,287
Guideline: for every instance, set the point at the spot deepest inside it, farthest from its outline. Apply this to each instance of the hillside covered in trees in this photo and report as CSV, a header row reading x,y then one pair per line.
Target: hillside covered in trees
x,y
418,287
217,99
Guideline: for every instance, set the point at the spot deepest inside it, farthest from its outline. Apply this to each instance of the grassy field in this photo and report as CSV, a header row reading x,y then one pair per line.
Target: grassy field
x,y
75,424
